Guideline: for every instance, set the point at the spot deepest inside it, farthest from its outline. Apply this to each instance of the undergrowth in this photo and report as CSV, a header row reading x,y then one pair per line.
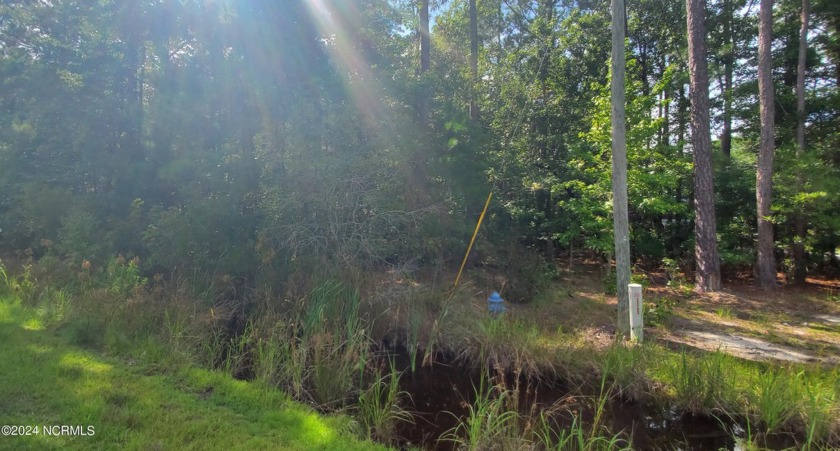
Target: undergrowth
x,y
317,346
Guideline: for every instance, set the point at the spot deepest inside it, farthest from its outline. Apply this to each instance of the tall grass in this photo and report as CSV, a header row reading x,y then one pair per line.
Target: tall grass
x,y
703,383
437,329
625,365
23,287
775,398
494,421
507,343
4,279
489,423
575,437
412,343
379,408
819,412
339,342
53,306
318,350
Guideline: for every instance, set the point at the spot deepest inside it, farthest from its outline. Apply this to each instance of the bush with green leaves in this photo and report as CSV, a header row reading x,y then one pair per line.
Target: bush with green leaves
x,y
210,236
80,236
123,278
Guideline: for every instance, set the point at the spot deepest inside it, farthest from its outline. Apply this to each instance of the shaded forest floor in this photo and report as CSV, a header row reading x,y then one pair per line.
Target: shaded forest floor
x,y
794,324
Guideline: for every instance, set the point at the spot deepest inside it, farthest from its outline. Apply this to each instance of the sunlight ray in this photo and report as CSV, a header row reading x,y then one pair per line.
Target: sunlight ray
x,y
338,24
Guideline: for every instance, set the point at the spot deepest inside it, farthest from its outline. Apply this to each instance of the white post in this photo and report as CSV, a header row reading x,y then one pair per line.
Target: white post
x,y
636,309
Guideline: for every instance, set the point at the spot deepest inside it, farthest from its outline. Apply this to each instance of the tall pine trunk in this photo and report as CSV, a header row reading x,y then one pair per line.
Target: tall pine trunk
x,y
705,243
728,63
425,61
799,257
621,226
473,59
766,262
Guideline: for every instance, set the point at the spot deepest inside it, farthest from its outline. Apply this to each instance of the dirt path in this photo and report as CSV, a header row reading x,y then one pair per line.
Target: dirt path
x,y
794,324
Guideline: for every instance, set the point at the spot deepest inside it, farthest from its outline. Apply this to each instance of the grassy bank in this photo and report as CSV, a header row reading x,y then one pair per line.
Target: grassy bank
x,y
132,404
566,334
109,335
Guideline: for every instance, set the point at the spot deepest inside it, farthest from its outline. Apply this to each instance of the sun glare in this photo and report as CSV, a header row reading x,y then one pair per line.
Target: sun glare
x,y
337,28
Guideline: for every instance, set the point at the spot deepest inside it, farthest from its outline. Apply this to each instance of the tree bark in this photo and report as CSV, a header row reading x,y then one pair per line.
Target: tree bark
x,y
766,262
621,226
473,58
728,68
664,108
643,66
799,256
706,258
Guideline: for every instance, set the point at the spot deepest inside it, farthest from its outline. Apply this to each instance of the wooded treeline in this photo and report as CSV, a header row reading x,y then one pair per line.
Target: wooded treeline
x,y
257,139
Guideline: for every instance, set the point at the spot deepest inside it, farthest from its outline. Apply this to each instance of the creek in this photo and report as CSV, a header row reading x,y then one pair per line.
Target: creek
x,y
442,393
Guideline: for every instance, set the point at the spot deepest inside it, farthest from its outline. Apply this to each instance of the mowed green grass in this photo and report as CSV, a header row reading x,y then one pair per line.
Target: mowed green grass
x,y
45,381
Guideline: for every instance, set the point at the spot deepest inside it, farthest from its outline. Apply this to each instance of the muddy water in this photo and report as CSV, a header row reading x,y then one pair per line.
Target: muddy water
x,y
442,393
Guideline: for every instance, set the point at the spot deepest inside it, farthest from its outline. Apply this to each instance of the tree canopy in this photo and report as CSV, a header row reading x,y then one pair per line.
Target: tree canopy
x,y
257,138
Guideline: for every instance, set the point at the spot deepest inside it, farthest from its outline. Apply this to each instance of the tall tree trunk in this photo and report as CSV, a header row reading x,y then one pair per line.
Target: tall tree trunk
x,y
133,92
643,66
664,108
705,244
473,58
728,68
621,226
425,60
766,263
682,110
799,257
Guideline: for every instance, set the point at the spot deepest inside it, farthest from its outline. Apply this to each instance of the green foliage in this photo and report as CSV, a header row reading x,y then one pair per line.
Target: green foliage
x,y
775,398
24,286
703,383
676,279
210,235
379,408
654,173
493,422
53,306
319,352
132,404
526,273
87,332
123,278
245,147
114,137
338,341
735,187
819,411
489,421
575,437
80,236
610,281
5,284
41,209
725,312
625,366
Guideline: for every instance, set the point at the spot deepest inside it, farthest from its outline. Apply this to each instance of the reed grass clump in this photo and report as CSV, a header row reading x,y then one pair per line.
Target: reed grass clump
x,y
625,365
380,407
775,398
703,383
489,422
496,420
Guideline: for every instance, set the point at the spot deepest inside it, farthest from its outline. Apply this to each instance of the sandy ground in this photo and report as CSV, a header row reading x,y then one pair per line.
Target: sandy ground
x,y
796,324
